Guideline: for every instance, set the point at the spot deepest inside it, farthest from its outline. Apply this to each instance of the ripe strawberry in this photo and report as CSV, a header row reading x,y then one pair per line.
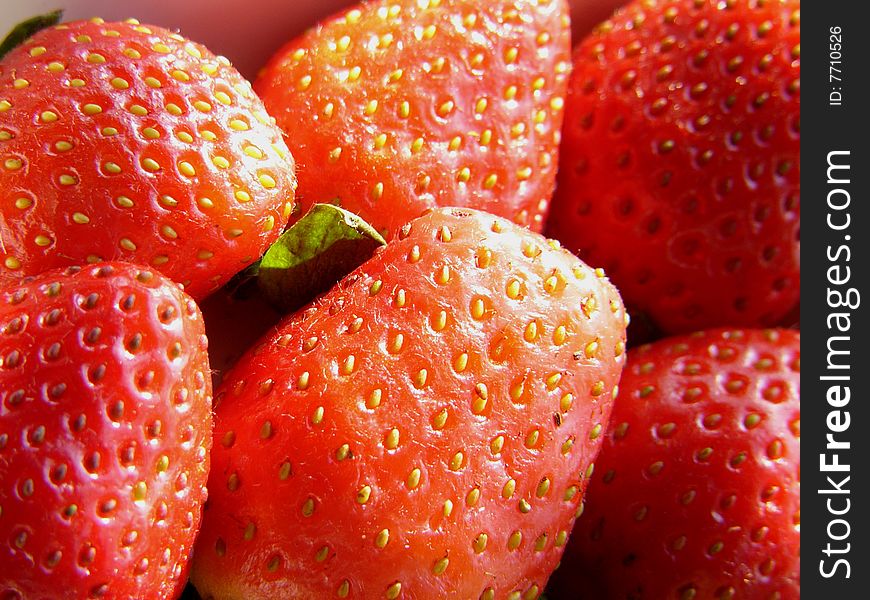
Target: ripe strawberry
x,y
105,429
423,429
696,493
680,168
120,141
397,106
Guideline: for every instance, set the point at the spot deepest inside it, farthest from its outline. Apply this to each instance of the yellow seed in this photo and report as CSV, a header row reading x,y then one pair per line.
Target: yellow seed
x,y
138,110
396,75
497,444
456,461
174,109
242,196
80,218
460,363
343,589
267,181
223,98
380,141
92,109
204,254
394,590
109,131
391,442
510,92
23,203
67,180
383,538
417,145
507,491
42,240
464,175
186,169
440,419
378,190
531,333
308,508
169,232
480,542
515,540
48,116
12,263
269,223
442,276
151,165
203,106
420,378
446,108
126,244
220,162
478,309
490,181
153,82
354,74
37,51
566,402
205,203
161,48
168,201
440,565
317,417
364,494
413,479
119,83
13,164
348,365
55,67
532,439
238,124
371,107
447,510
481,105
254,152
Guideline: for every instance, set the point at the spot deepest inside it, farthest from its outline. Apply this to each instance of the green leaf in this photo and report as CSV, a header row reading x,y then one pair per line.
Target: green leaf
x,y
24,30
314,254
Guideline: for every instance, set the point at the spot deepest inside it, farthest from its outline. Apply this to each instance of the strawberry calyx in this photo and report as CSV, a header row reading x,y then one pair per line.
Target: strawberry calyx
x,y
311,256
21,32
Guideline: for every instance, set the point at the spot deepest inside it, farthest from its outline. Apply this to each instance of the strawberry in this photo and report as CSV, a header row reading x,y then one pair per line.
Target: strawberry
x,y
424,429
397,106
696,493
105,429
120,141
680,170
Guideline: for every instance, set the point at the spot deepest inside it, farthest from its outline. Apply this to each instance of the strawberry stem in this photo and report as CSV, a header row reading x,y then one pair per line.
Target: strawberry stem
x,y
24,30
315,253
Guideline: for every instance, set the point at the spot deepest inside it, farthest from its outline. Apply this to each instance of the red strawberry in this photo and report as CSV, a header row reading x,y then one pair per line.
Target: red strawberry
x,y
680,168
105,429
397,106
696,493
120,141
424,429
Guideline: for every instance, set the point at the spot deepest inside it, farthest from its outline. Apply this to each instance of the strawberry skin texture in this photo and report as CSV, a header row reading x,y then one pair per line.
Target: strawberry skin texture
x,y
395,107
696,492
680,163
105,432
120,141
423,430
